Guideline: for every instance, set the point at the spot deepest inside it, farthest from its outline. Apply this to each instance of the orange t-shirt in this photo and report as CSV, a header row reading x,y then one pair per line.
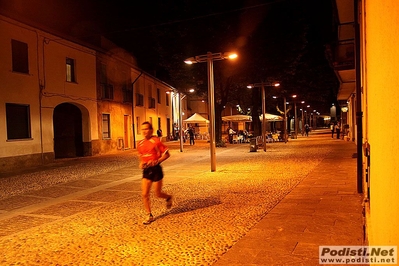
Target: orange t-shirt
x,y
151,149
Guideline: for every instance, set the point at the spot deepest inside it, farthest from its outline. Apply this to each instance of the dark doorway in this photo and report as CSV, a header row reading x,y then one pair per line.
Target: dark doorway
x,y
168,129
68,140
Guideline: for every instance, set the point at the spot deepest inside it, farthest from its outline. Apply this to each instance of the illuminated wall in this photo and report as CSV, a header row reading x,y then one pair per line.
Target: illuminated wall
x,y
97,92
42,88
381,107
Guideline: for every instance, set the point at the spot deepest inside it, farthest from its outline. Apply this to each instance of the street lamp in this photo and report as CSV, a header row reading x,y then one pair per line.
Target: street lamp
x,y
295,117
209,58
181,96
315,116
178,99
285,116
285,120
302,122
263,85
306,111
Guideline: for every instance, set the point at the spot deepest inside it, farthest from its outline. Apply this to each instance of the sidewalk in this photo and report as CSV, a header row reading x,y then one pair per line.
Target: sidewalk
x,y
258,208
323,210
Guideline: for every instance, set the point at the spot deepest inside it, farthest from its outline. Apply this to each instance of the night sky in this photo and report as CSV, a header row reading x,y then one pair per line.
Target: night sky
x,y
269,35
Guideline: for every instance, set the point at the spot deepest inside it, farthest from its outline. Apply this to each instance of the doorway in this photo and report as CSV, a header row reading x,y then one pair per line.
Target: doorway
x,y
68,137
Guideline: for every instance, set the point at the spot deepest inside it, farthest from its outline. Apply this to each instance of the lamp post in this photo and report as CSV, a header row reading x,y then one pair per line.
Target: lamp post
x,y
181,97
302,122
177,98
307,113
315,117
263,85
295,117
285,120
209,58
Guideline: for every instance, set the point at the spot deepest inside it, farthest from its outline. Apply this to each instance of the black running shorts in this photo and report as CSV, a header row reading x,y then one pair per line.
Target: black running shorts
x,y
153,173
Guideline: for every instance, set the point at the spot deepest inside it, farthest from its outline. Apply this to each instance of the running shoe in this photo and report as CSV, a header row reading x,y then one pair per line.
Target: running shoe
x,y
169,202
149,219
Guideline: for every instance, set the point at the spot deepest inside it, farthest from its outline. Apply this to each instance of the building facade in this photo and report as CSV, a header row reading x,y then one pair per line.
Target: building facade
x,y
365,60
62,98
43,78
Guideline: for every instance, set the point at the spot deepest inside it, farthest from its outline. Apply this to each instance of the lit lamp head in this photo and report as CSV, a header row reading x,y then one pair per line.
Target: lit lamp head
x,y
210,56
251,86
190,60
230,56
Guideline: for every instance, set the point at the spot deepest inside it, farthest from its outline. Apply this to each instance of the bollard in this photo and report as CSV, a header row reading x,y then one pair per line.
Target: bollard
x,y
253,145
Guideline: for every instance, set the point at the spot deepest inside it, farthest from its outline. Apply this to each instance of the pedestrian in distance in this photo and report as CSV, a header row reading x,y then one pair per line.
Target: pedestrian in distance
x,y
231,133
159,133
191,134
307,129
332,130
338,129
152,153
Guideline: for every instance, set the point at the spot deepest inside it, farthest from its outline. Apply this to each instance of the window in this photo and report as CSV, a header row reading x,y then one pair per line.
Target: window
x,y
107,90
127,94
151,103
167,99
138,125
106,126
139,99
18,121
127,88
70,70
159,95
20,62
103,74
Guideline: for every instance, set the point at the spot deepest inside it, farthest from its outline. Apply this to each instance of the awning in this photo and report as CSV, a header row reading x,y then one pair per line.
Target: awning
x,y
237,118
196,118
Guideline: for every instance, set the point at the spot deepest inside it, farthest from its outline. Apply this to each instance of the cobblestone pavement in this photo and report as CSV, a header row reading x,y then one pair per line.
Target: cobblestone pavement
x,y
88,211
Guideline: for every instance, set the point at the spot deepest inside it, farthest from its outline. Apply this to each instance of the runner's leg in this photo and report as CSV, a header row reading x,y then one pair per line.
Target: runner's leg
x,y
158,190
145,190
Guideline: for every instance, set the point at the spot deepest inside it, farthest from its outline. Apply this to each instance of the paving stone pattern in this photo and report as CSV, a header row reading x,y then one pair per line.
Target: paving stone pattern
x,y
89,211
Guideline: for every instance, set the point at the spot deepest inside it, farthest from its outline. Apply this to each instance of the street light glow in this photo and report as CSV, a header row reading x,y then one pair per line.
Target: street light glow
x,y
213,56
209,58
250,86
232,56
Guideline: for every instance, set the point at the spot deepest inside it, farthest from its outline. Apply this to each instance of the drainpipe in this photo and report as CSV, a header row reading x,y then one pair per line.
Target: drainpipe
x,y
359,113
41,88
134,134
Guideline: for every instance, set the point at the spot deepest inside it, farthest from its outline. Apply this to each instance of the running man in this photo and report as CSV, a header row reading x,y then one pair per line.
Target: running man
x,y
152,152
